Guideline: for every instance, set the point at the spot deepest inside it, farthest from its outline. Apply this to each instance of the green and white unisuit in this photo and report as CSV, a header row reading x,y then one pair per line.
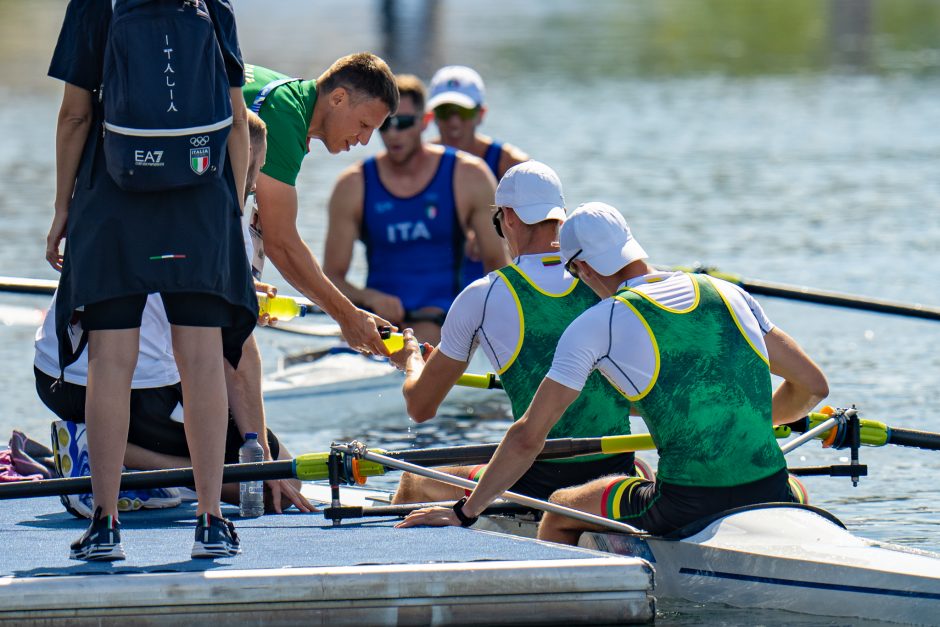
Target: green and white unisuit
x,y
516,315
688,351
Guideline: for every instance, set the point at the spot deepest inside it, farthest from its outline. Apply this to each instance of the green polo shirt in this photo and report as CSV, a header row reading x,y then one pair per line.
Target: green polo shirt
x,y
286,111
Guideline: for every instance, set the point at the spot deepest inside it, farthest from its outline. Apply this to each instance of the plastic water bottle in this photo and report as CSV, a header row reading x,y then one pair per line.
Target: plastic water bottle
x,y
281,307
251,493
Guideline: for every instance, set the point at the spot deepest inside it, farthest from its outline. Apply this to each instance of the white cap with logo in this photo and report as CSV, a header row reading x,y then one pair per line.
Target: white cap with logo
x,y
598,234
456,84
533,190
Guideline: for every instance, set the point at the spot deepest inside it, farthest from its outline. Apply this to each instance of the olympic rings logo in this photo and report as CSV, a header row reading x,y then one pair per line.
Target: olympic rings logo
x,y
200,141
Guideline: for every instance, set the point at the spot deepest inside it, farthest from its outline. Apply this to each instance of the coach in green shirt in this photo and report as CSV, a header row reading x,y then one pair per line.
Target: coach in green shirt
x,y
341,108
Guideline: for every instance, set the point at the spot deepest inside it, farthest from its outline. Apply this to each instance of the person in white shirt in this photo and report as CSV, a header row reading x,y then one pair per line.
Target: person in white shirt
x,y
516,315
694,356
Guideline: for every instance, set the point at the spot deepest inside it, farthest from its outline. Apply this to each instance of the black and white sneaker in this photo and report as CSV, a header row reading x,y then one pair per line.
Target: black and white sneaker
x,y
215,537
101,542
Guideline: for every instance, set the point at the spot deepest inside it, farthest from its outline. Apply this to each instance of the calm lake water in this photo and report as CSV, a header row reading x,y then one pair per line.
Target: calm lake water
x,y
791,141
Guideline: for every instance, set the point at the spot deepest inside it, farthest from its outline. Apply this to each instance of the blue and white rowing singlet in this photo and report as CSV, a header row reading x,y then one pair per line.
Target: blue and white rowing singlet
x,y
414,246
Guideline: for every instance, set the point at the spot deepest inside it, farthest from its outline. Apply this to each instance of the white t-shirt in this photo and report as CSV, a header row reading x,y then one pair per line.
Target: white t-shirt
x,y
156,366
485,313
612,338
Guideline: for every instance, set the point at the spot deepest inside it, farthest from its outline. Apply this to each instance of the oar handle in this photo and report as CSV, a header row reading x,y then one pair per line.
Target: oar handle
x,y
488,381
917,439
19,285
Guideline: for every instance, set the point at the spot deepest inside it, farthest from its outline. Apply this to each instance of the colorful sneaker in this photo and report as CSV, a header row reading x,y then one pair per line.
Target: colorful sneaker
x,y
101,542
70,456
156,498
215,537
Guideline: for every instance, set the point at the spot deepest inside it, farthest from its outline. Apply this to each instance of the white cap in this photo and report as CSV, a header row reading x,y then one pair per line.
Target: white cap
x,y
533,190
598,234
456,84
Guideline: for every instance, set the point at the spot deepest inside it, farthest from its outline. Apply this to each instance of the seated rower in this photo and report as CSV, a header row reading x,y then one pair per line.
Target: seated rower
x,y
694,355
516,315
412,206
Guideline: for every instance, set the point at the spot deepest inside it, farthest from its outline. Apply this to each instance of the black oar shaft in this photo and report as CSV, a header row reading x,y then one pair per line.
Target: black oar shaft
x,y
912,437
838,299
170,478
403,509
18,285
481,453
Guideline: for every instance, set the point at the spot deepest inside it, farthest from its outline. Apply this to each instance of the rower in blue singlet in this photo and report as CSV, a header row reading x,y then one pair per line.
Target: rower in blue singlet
x,y
457,100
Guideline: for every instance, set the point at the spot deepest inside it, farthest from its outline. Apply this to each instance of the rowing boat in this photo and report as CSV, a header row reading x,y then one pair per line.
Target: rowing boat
x,y
776,556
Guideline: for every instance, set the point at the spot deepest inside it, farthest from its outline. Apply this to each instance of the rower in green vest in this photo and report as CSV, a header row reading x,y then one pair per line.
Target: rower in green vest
x,y
694,356
516,315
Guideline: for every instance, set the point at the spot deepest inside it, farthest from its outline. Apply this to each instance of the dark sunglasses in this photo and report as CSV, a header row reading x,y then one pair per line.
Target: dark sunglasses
x,y
570,268
444,111
497,217
398,122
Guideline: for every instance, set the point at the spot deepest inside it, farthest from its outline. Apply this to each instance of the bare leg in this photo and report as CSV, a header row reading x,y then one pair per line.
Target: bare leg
x,y
139,458
587,498
112,357
198,353
417,489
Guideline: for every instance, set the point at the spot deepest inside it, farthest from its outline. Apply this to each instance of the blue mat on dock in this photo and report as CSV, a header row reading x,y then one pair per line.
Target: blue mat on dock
x,y
35,535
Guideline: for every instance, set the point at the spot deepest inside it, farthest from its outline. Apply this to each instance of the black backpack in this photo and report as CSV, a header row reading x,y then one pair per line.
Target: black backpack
x,y
165,93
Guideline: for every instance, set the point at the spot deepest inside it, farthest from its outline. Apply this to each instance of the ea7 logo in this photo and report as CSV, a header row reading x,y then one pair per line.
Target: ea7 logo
x,y
148,157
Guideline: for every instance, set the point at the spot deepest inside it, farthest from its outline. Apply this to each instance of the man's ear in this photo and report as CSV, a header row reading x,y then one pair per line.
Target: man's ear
x,y
338,96
482,113
426,120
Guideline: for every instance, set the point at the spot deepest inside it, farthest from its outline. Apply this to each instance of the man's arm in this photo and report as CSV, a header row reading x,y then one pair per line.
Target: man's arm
x,y
277,208
425,387
804,384
346,207
520,446
475,190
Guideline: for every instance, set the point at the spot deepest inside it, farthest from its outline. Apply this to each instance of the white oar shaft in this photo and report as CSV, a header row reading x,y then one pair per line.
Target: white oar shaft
x,y
509,496
809,435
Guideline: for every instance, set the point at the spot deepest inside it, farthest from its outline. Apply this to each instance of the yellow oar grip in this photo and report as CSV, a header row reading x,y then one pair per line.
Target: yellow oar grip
x,y
313,467
627,443
482,381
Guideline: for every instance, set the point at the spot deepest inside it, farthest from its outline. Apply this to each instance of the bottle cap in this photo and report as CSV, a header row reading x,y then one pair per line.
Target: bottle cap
x,y
251,435
303,311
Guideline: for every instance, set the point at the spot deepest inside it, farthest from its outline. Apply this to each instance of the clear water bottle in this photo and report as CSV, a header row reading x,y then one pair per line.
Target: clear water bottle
x,y
251,493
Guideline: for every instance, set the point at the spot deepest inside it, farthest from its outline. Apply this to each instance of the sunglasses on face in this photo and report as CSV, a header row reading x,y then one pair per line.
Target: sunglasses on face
x,y
497,217
444,112
398,122
570,268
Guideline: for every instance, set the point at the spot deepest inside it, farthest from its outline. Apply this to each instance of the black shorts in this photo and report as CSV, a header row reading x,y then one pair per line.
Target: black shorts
x,y
151,427
190,309
543,478
661,507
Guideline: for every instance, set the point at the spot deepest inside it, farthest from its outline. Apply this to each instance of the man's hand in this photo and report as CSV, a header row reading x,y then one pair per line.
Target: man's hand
x,y
411,346
270,291
385,305
360,330
281,488
430,517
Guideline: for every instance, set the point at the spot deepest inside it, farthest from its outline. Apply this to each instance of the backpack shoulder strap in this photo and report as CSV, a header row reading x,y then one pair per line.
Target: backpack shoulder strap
x,y
266,91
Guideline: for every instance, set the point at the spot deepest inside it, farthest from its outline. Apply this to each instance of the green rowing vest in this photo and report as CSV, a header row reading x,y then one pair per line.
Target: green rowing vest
x,y
600,409
708,405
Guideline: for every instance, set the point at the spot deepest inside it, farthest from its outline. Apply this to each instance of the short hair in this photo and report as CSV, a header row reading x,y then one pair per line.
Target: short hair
x,y
257,129
362,74
411,86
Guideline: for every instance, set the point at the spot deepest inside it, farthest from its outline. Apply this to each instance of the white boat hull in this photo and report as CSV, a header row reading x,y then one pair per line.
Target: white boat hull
x,y
789,558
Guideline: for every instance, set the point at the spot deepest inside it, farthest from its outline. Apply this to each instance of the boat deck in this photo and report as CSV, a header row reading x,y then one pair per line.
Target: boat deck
x,y
297,568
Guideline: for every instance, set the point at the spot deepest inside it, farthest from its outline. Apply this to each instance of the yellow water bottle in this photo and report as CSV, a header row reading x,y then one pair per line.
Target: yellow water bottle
x,y
281,307
394,342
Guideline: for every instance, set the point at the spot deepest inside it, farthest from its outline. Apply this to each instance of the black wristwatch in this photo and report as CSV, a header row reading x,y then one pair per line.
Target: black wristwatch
x,y
465,521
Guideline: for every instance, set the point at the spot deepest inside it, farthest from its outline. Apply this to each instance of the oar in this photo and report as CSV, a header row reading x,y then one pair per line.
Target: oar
x,y
27,286
313,466
873,433
824,297
487,381
359,450
403,509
